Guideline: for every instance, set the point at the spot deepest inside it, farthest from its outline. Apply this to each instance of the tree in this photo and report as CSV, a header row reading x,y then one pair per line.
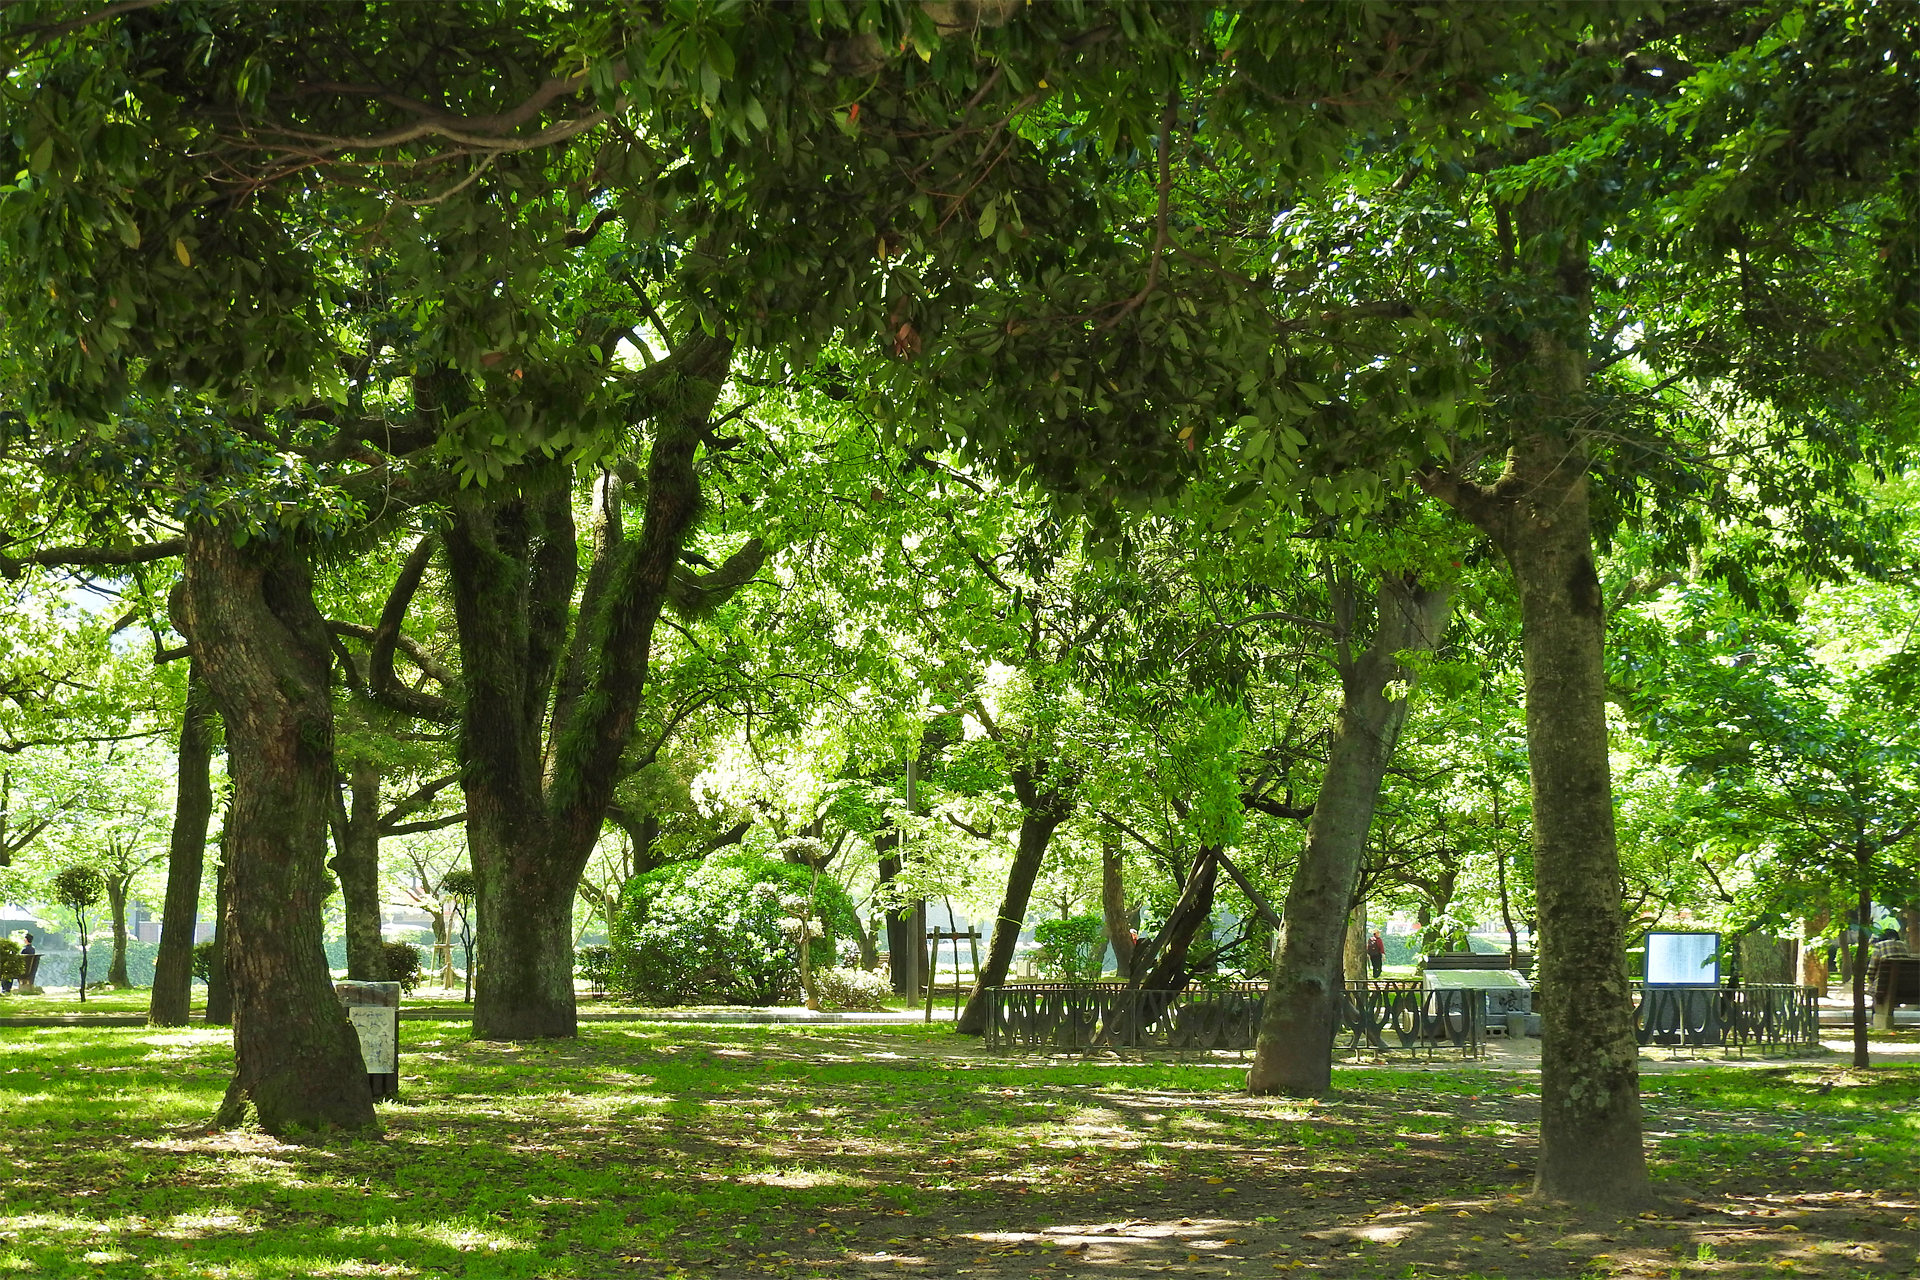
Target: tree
x,y
458,888
1804,755
186,857
77,888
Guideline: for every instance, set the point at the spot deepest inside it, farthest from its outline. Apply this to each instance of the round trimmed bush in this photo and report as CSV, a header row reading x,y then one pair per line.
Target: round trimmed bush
x,y
720,931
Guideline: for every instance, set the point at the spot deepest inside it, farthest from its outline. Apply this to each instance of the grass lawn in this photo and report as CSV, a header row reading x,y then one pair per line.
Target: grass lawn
x,y
652,1150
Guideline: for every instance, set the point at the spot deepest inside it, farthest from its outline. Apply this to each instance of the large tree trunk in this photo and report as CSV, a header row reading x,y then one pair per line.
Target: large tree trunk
x,y
267,659
1113,906
117,889
1043,807
1537,512
356,862
1294,1051
537,802
172,1001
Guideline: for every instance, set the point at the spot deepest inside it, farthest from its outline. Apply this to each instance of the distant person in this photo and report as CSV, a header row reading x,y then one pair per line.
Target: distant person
x,y
1890,943
1376,953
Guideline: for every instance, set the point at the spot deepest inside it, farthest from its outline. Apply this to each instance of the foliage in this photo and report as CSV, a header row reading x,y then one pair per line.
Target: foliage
x,y
12,967
852,989
595,964
403,964
78,887
719,930
1072,948
203,959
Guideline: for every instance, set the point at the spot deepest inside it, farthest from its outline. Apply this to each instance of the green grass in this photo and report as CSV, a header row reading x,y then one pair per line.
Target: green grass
x,y
794,1150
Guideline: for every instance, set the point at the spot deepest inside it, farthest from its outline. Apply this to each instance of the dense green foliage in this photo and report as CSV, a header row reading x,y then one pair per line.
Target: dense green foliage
x,y
722,931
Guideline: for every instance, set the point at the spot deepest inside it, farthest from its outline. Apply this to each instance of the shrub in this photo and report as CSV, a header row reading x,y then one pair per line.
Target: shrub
x,y
403,965
717,931
853,989
1073,948
595,964
203,960
12,967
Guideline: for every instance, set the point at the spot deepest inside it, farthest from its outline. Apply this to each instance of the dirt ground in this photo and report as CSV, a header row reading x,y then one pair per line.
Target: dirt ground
x,y
1401,1182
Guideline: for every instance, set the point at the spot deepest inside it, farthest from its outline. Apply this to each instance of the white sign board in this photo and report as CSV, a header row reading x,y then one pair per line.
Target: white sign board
x,y
1683,959
379,1030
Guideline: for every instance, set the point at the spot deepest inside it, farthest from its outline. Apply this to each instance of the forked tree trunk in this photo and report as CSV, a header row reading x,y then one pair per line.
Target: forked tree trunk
x,y
267,660
172,1001
1590,1124
356,862
1165,965
1044,806
1294,1051
1113,906
1537,512
545,721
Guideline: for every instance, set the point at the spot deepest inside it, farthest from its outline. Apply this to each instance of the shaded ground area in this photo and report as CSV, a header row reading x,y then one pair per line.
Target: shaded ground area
x,y
647,1151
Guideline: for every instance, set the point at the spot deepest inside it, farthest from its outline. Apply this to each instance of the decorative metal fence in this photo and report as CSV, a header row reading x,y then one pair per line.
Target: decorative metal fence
x,y
1756,1016
1380,1017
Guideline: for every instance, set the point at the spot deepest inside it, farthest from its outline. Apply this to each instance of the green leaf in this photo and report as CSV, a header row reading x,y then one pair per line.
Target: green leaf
x,y
989,219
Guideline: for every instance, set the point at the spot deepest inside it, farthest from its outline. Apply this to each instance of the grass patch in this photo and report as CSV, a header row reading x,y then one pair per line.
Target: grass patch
x,y
662,1149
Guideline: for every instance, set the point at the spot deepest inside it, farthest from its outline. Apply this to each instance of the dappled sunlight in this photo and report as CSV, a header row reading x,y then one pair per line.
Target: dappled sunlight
x,y
648,1150
459,1236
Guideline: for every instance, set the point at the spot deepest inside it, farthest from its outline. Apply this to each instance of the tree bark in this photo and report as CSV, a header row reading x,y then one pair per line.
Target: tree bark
x,y
1353,949
1166,959
1113,906
219,987
268,666
1538,514
118,887
172,1001
536,803
1044,805
356,863
1813,955
1863,950
1293,1053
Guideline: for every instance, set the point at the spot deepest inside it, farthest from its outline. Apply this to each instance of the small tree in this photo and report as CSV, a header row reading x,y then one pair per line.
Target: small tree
x,y
78,888
458,888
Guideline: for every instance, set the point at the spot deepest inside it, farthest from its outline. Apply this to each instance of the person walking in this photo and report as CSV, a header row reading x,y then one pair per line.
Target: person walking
x,y
1376,953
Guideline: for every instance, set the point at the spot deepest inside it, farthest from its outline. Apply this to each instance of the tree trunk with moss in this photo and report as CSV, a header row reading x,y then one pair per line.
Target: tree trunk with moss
x,y
1537,513
267,658
172,1001
547,717
1294,1050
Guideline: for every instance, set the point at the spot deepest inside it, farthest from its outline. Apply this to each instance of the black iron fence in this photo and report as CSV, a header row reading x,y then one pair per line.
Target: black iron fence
x,y
1756,1016
1394,1018
1381,1017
